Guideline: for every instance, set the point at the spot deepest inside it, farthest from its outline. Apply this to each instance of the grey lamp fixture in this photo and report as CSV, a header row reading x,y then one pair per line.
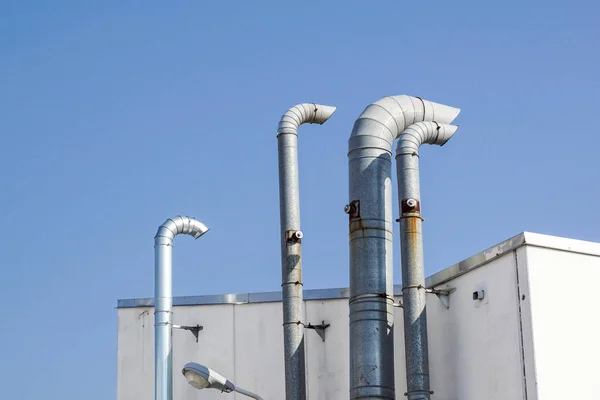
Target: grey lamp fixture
x,y
202,377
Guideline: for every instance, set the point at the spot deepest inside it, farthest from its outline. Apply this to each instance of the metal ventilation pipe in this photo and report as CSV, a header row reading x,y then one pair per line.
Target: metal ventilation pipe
x,y
370,225
291,242
411,244
163,299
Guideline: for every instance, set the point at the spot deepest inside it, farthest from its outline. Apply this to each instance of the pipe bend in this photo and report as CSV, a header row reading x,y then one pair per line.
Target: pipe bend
x,y
423,133
397,113
304,113
180,225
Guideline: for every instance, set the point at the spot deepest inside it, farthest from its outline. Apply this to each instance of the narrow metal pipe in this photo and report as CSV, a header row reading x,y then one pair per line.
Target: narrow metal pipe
x,y
411,246
370,226
163,299
291,242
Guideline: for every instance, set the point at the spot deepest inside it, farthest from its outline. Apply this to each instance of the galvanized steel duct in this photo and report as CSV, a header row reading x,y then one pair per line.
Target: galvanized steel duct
x,y
163,299
411,246
370,225
291,239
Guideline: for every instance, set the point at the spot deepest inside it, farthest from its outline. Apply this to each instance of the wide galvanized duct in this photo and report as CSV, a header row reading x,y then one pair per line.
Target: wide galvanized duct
x,y
291,242
370,225
163,299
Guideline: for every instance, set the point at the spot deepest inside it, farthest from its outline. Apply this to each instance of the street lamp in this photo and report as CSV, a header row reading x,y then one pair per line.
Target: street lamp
x,y
202,377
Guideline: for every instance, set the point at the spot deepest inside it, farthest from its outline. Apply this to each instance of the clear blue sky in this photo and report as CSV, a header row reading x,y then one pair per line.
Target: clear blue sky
x,y
117,115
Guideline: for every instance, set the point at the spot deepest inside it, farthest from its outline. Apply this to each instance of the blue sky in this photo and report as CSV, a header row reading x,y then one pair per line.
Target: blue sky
x,y
117,115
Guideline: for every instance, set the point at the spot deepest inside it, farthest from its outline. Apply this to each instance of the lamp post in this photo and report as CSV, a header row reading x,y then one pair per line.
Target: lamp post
x,y
202,377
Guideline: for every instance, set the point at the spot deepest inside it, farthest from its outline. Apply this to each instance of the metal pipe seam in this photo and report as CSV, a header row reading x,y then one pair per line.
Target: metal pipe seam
x,y
371,310
163,299
371,223
371,265
358,232
181,225
291,245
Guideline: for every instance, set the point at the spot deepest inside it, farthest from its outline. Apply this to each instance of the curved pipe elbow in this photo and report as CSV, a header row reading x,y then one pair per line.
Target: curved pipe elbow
x,y
180,225
304,113
386,119
424,133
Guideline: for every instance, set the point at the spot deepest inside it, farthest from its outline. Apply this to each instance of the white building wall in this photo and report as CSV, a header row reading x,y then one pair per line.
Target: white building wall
x,y
327,362
135,353
258,343
564,322
492,349
475,345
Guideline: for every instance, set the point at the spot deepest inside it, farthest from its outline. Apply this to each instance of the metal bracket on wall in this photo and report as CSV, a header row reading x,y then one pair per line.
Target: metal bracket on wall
x,y
443,295
194,329
320,329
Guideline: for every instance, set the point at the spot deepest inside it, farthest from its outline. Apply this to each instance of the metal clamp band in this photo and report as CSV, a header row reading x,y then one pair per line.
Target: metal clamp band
x,y
371,296
293,323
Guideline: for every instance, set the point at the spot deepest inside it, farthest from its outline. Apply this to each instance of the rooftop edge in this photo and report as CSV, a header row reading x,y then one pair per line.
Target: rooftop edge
x,y
460,268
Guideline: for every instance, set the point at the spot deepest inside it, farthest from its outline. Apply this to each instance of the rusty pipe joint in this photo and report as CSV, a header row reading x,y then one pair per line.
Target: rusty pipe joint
x,y
410,208
353,209
293,236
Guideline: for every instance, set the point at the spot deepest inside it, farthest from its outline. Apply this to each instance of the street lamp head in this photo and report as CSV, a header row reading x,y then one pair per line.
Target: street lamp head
x,y
202,377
